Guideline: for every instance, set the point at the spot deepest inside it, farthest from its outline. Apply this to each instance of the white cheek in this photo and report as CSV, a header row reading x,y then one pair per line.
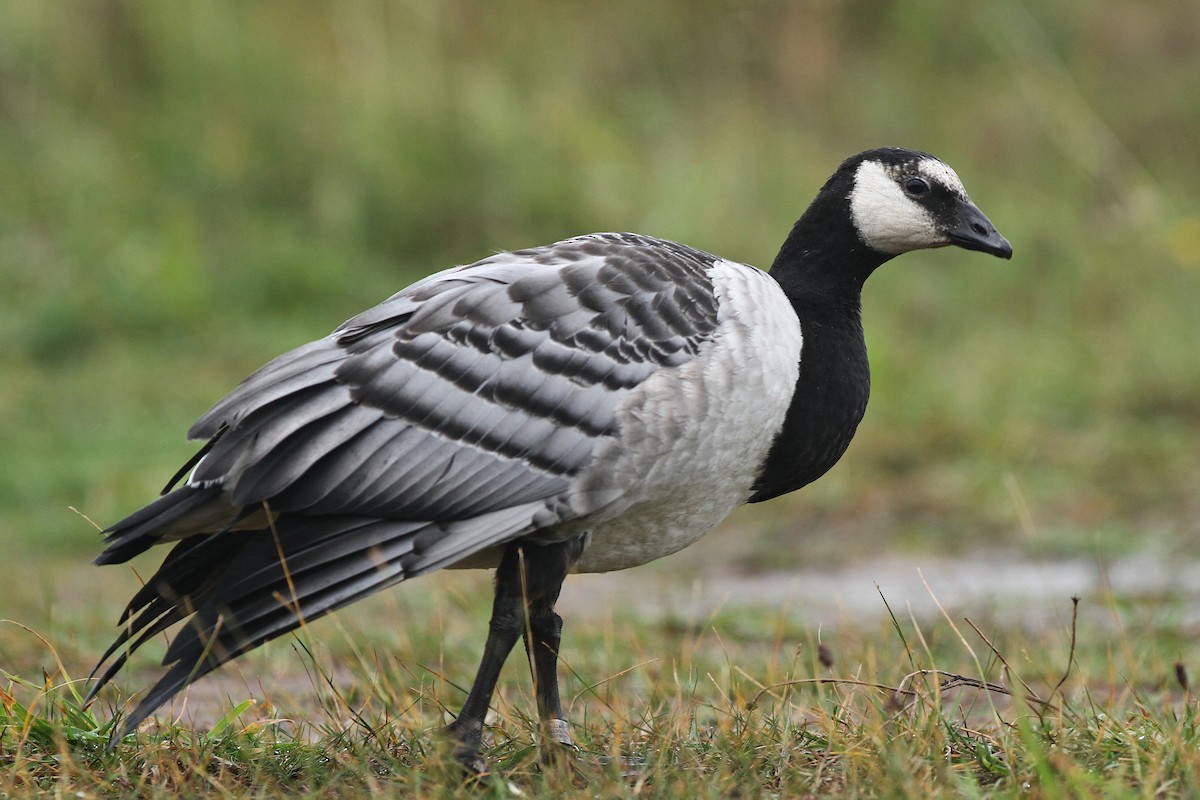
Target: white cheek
x,y
888,220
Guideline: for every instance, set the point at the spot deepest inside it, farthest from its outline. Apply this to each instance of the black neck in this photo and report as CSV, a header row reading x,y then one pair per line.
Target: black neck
x,y
821,268
823,255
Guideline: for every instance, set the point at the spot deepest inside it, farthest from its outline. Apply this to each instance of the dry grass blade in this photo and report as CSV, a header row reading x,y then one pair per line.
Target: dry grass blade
x,y
752,703
1071,653
953,680
1030,694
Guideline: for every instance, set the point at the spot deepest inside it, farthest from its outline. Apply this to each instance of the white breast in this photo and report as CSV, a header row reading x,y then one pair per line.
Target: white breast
x,y
693,437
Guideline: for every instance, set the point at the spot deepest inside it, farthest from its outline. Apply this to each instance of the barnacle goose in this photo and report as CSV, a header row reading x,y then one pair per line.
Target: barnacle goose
x,y
586,406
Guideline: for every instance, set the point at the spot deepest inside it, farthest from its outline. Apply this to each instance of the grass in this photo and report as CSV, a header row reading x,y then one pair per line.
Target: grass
x,y
743,703
188,190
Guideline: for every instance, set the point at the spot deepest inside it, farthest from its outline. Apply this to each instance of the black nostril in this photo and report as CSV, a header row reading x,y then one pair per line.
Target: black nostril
x,y
979,228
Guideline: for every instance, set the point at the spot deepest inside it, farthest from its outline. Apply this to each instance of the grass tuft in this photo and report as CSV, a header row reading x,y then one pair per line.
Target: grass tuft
x,y
715,714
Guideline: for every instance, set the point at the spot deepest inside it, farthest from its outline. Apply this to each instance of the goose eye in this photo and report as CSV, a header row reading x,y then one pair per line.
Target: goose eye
x,y
916,186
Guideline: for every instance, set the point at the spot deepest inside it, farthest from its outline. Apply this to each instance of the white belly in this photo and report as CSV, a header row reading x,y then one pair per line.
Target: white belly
x,y
692,438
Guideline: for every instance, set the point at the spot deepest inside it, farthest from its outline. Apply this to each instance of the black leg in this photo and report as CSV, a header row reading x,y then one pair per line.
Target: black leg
x,y
467,729
542,639
529,577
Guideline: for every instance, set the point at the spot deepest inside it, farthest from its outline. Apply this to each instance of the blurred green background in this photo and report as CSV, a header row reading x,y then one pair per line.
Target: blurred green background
x,y
187,189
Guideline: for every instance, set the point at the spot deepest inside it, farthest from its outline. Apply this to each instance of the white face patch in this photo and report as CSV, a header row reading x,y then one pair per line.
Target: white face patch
x,y
887,219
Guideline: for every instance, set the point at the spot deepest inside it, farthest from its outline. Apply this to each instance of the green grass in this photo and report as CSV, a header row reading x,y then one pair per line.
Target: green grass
x,y
743,704
188,189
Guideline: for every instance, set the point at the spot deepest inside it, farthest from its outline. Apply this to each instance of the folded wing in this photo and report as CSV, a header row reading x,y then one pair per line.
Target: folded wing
x,y
445,421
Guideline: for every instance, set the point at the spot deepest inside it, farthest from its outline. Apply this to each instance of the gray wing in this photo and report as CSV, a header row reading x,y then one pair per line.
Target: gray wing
x,y
447,420
479,388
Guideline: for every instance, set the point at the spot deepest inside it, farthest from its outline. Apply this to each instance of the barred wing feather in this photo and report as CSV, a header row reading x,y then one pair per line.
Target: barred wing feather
x,y
445,421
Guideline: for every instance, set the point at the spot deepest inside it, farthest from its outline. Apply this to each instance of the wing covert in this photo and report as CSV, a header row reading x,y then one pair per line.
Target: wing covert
x,y
478,388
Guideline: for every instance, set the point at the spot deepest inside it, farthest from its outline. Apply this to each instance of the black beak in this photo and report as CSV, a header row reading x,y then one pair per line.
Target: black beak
x,y
974,231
